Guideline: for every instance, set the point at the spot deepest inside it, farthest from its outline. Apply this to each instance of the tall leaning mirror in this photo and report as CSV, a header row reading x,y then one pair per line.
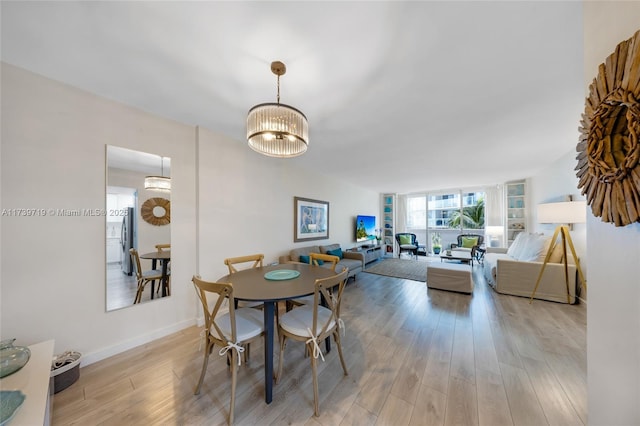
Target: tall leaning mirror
x,y
138,230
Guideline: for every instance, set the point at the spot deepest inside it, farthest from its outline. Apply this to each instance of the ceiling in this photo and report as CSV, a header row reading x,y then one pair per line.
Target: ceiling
x,y
400,96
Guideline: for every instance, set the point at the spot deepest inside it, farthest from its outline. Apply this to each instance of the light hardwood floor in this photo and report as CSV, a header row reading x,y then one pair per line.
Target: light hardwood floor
x,y
415,357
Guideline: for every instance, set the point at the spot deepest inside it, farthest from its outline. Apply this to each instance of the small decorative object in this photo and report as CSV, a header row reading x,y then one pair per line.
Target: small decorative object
x,y
282,274
65,370
156,211
448,252
10,401
609,152
12,358
310,219
436,242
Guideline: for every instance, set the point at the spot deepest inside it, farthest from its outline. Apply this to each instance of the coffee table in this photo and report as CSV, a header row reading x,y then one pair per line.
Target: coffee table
x,y
459,255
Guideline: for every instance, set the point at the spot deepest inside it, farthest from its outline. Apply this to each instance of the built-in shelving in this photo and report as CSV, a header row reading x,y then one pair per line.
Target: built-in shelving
x,y
388,222
516,209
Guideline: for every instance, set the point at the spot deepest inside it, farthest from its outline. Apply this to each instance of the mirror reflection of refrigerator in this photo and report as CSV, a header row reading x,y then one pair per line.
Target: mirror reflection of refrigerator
x,y
126,240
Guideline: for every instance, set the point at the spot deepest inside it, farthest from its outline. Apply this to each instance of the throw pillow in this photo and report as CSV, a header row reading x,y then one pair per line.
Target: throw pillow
x,y
556,254
517,244
469,242
305,259
405,239
336,252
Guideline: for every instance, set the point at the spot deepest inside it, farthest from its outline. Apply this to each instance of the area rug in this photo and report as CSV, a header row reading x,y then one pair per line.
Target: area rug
x,y
415,270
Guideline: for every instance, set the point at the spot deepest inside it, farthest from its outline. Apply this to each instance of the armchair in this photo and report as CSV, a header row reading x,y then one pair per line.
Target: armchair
x,y
407,242
472,243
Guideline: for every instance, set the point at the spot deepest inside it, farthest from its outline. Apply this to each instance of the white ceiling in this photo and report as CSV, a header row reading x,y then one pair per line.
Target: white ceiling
x,y
400,96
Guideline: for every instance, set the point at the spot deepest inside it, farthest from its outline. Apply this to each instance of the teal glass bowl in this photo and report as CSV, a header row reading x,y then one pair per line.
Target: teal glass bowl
x,y
12,358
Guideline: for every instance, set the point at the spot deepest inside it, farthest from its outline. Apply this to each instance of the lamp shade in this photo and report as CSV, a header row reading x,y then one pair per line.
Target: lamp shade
x,y
277,130
564,212
157,183
494,230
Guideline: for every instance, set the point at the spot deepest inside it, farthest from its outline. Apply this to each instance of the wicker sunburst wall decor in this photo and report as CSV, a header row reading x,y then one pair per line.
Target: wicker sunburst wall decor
x,y
148,214
608,152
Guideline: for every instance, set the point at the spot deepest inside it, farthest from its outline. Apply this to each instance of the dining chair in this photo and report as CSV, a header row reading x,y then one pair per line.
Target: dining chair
x,y
231,331
231,263
143,277
160,248
315,259
325,321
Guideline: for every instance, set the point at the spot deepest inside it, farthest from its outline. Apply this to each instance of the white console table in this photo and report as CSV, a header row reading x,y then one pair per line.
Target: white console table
x,y
33,380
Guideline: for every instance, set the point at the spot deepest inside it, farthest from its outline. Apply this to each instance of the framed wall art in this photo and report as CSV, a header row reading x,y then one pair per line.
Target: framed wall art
x,y
310,219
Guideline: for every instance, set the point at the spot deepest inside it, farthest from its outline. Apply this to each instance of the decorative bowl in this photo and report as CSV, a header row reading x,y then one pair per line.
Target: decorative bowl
x,y
12,358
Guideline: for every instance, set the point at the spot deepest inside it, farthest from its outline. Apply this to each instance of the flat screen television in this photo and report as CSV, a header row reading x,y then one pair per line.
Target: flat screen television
x,y
365,228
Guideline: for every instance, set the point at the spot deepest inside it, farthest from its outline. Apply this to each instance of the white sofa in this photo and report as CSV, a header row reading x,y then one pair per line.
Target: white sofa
x,y
515,271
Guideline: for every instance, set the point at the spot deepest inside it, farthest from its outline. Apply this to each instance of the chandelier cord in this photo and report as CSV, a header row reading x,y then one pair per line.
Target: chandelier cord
x,y
278,90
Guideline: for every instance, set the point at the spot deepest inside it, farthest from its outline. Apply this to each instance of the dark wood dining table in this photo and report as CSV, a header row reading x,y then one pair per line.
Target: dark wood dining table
x,y
164,256
251,285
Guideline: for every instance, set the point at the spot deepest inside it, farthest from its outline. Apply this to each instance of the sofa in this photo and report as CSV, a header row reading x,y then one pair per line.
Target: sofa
x,y
350,259
514,271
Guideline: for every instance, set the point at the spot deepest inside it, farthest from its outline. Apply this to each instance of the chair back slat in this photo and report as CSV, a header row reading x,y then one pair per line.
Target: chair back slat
x,y
224,291
331,290
136,263
257,260
314,257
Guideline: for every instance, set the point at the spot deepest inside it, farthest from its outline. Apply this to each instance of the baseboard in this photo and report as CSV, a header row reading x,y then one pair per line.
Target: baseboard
x,y
88,359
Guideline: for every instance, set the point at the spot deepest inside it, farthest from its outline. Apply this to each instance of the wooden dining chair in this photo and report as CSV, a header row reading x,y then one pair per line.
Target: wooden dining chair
x,y
315,259
231,331
143,277
232,262
313,323
161,248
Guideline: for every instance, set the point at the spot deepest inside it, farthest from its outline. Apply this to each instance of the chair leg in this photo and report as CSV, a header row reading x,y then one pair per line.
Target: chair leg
x,y
336,337
234,376
314,371
207,352
139,290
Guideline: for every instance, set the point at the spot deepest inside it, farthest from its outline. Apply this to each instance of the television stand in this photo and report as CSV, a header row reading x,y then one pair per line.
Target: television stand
x,y
371,252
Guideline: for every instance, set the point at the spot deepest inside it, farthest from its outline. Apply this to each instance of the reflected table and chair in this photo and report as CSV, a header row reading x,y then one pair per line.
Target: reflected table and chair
x,y
164,256
255,285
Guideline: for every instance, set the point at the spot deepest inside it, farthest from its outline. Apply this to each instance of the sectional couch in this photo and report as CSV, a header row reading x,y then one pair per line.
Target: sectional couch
x,y
350,259
515,270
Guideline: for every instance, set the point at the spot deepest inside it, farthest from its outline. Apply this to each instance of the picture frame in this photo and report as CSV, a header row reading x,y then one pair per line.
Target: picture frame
x,y
310,219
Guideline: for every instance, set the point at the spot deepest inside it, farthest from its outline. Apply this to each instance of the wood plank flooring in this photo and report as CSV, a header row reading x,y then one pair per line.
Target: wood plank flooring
x,y
415,357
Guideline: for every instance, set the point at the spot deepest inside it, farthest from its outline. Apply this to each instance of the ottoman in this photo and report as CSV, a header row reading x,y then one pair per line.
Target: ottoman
x,y
450,276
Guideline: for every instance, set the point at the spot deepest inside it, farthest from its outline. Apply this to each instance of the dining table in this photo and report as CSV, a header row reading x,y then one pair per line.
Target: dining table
x,y
254,284
164,257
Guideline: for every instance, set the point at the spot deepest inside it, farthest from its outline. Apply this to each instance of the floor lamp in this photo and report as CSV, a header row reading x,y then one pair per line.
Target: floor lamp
x,y
566,214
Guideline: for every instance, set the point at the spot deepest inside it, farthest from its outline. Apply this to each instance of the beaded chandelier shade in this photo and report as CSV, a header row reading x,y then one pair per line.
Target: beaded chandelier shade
x,y
158,183
275,129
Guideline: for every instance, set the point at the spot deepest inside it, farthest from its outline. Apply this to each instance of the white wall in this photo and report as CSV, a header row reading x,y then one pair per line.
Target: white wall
x,y
53,268
246,203
613,332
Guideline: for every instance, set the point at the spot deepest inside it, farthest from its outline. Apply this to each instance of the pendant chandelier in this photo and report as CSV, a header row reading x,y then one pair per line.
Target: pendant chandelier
x,y
158,183
275,129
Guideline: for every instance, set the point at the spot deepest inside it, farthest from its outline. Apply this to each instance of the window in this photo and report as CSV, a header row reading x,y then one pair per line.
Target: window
x,y
416,211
